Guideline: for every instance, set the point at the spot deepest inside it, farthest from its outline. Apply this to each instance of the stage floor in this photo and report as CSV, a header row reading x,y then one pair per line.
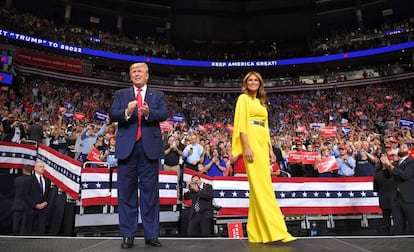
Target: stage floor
x,y
302,244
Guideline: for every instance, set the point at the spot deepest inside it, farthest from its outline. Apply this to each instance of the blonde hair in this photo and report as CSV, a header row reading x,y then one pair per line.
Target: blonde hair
x,y
323,149
139,64
261,93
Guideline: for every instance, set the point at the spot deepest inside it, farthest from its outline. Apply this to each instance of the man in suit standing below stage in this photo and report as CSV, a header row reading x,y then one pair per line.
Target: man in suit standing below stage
x,y
138,111
402,190
39,198
201,214
20,205
383,185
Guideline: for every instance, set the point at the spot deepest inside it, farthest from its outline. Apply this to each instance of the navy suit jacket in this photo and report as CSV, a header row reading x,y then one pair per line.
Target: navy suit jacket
x,y
150,127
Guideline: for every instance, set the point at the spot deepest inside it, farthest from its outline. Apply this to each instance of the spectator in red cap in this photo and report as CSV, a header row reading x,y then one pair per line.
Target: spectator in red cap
x,y
346,163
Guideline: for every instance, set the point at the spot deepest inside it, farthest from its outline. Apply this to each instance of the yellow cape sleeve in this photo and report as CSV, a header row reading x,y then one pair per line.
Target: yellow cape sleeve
x,y
241,122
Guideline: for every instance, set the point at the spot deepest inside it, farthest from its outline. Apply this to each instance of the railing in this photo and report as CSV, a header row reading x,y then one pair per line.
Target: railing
x,y
313,199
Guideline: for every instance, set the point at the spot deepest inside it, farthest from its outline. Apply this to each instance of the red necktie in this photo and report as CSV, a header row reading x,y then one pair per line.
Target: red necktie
x,y
139,105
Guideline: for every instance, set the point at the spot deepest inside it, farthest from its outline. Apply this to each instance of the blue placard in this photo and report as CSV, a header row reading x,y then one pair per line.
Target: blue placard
x,y
6,78
5,59
178,118
406,123
100,116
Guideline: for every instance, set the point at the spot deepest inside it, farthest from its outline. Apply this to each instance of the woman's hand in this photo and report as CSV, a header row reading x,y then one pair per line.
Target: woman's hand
x,y
249,155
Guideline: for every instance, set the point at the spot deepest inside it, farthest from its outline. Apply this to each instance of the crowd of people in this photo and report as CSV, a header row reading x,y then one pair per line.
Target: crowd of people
x,y
370,123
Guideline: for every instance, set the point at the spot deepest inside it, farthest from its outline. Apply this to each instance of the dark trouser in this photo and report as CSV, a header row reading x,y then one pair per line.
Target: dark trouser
x,y
39,223
138,167
402,212
199,225
20,223
386,220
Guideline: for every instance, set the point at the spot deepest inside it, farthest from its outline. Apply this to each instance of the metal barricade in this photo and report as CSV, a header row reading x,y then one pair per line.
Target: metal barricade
x,y
91,164
28,141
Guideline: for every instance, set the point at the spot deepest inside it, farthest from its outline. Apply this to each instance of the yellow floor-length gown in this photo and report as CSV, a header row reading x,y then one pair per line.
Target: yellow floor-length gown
x,y
265,220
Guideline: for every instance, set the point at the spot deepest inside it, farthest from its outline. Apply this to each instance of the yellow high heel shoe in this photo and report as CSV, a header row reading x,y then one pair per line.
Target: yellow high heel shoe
x,y
288,239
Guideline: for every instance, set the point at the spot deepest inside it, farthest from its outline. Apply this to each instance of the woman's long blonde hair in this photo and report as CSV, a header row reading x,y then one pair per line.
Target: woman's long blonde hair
x,y
261,93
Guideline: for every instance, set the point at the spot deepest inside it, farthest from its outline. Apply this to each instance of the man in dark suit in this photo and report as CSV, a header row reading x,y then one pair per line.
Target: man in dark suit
x,y
39,199
201,214
20,205
402,190
383,186
35,131
138,111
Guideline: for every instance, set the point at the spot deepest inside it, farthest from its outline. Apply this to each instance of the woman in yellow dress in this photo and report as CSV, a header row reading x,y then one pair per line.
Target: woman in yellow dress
x,y
251,138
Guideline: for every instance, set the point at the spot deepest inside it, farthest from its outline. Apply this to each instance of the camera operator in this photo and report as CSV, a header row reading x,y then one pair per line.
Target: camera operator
x,y
13,129
201,214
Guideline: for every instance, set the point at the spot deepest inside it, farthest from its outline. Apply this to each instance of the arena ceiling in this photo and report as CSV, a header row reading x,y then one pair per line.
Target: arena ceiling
x,y
224,19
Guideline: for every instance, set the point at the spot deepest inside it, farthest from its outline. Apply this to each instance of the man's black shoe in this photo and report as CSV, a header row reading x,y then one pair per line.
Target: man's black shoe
x,y
153,242
127,242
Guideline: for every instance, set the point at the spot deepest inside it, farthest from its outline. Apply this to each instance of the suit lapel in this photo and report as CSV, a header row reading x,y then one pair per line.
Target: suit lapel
x,y
131,94
148,95
403,164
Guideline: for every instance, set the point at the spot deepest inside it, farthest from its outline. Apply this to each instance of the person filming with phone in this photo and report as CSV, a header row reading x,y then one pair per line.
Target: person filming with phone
x,y
201,214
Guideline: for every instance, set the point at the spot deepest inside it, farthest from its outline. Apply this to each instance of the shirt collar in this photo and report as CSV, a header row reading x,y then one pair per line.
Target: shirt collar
x,y
143,90
402,160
